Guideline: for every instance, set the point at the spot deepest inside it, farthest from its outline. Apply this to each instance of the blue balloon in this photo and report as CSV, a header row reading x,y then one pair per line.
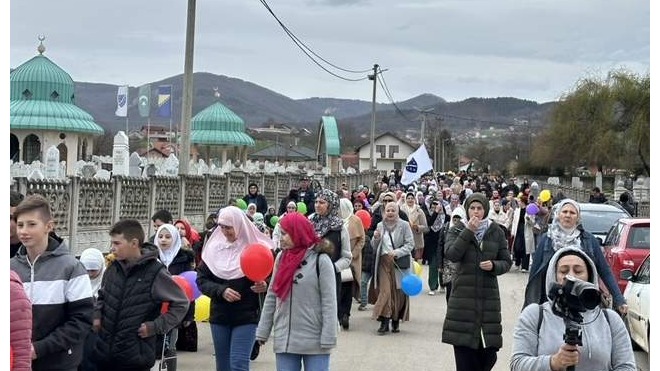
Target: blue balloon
x,y
411,285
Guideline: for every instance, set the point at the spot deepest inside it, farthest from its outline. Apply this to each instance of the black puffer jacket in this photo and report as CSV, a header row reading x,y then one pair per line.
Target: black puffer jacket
x,y
367,256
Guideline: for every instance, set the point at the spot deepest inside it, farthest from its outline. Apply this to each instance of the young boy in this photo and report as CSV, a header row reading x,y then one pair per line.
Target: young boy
x,y
128,314
57,285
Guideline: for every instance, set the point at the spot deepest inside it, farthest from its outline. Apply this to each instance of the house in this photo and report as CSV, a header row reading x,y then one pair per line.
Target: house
x,y
390,152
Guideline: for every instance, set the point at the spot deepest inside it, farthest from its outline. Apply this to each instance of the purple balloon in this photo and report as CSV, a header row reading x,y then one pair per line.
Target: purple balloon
x,y
532,209
191,277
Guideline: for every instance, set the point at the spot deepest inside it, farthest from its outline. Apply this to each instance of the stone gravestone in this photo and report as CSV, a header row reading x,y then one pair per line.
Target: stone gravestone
x,y
102,174
171,166
52,163
134,165
88,171
120,164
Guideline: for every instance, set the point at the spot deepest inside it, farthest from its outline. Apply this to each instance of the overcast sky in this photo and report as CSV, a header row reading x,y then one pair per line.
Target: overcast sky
x,y
530,49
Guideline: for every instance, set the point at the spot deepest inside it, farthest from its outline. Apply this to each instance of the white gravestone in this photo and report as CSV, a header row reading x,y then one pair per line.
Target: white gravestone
x,y
135,165
52,163
120,155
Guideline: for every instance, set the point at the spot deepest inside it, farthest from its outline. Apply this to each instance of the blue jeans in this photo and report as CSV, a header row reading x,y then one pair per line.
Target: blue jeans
x,y
364,287
292,362
233,346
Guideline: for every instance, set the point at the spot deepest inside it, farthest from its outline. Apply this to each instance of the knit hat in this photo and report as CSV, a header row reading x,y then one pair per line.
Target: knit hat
x,y
480,198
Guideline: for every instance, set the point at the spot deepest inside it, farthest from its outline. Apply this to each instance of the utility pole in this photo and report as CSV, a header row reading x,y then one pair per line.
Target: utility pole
x,y
186,112
422,131
374,77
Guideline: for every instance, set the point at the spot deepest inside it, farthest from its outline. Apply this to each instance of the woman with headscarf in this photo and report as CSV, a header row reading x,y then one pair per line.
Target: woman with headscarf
x,y
260,223
566,231
449,268
276,236
474,312
234,297
177,259
522,234
434,244
350,289
251,210
379,210
329,225
394,240
301,304
418,224
94,263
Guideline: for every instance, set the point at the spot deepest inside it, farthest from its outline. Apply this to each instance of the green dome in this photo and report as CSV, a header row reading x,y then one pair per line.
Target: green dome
x,y
42,98
218,125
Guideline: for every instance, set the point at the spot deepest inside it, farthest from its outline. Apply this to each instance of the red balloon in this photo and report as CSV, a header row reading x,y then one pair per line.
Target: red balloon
x,y
257,262
365,218
185,286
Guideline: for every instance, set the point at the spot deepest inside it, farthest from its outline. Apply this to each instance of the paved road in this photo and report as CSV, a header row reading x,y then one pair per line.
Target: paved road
x,y
417,347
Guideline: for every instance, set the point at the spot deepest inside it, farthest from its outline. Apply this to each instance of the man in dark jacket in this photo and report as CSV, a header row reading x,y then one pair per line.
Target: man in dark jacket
x,y
254,197
306,194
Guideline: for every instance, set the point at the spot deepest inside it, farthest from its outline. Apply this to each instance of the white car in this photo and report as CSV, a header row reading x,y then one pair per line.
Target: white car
x,y
638,296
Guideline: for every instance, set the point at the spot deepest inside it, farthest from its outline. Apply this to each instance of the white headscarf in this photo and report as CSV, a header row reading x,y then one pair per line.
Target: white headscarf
x,y
167,256
345,209
93,260
458,211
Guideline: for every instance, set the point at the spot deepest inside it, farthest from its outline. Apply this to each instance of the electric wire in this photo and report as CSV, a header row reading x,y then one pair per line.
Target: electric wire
x,y
388,94
307,50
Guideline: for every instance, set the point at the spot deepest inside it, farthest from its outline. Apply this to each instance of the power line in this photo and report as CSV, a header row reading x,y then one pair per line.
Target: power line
x,y
388,94
307,50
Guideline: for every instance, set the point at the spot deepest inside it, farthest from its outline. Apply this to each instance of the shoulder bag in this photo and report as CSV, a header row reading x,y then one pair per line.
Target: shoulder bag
x,y
402,262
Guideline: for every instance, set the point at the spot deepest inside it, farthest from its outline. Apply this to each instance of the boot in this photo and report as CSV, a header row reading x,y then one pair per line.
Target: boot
x,y
344,321
384,326
395,326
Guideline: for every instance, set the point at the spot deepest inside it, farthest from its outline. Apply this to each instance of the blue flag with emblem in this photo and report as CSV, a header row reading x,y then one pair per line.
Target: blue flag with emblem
x,y
417,164
122,101
165,101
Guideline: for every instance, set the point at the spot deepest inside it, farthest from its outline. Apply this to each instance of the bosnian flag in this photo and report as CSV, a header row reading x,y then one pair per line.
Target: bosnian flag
x,y
165,101
122,101
417,164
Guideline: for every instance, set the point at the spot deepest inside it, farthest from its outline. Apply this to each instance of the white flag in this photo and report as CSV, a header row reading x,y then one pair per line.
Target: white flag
x,y
417,164
122,101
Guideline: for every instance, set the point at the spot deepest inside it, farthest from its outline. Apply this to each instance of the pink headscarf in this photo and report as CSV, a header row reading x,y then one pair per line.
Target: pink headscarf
x,y
223,257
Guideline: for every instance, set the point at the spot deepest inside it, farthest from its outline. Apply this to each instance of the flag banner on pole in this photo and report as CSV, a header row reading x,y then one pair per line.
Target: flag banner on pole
x,y
144,100
165,101
417,164
122,101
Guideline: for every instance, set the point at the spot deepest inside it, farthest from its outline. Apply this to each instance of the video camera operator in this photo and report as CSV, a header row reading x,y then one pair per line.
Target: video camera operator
x,y
570,331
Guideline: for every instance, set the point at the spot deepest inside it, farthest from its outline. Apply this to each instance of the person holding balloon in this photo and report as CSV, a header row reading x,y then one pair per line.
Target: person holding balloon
x,y
224,276
395,243
301,304
473,323
522,233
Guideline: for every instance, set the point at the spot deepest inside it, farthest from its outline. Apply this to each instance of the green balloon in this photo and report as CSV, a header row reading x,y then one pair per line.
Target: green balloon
x,y
274,220
302,208
241,204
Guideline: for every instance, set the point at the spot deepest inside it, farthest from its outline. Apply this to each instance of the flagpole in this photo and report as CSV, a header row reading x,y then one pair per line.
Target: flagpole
x,y
126,120
148,131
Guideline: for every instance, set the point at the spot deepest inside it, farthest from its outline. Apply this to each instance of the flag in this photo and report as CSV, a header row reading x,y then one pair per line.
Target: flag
x,y
417,164
144,100
165,101
122,101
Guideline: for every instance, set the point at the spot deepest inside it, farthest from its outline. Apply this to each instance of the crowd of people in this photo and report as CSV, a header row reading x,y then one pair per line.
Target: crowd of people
x,y
331,248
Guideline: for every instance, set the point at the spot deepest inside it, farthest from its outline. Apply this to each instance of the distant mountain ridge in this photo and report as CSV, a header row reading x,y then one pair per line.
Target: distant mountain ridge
x,y
258,105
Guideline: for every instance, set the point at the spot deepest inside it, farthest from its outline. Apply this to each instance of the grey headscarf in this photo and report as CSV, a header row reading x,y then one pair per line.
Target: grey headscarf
x,y
560,236
330,222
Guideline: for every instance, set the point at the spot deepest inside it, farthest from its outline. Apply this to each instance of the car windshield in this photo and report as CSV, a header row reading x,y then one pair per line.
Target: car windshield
x,y
600,221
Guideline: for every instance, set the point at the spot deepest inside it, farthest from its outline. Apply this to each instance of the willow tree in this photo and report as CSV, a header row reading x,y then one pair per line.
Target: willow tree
x,y
602,122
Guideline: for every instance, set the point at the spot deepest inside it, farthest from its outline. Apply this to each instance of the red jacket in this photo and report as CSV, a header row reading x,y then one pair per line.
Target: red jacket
x,y
20,326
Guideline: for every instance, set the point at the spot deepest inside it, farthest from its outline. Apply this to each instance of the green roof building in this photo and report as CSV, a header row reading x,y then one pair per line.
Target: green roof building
x,y
218,126
43,114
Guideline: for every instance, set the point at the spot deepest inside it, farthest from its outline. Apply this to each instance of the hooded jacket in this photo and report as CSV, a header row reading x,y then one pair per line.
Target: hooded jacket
x,y
20,325
306,322
58,286
605,341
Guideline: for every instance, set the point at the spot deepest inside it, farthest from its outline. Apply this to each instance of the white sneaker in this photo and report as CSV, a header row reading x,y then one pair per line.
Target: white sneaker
x,y
431,292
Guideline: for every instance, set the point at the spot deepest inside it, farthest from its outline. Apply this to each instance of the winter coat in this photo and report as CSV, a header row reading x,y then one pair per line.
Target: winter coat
x,y
474,309
259,200
20,324
417,218
58,286
306,321
368,257
356,233
528,229
404,244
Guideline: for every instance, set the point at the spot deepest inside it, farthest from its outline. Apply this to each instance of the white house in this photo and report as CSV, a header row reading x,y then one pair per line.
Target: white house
x,y
390,152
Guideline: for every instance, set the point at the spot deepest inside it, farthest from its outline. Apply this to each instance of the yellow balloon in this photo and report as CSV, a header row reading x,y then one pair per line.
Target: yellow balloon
x,y
202,308
417,268
545,195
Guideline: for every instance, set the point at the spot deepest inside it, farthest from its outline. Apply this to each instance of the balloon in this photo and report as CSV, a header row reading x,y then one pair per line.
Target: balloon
x,y
185,286
411,285
302,208
274,220
532,209
191,277
202,308
545,195
417,268
241,204
257,262
365,218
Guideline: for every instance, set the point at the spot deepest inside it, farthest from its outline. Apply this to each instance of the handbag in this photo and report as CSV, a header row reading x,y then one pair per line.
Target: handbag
x,y
402,262
347,275
187,340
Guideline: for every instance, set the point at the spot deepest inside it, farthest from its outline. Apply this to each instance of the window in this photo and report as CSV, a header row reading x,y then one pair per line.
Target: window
x,y
54,95
381,149
27,94
393,149
397,165
644,273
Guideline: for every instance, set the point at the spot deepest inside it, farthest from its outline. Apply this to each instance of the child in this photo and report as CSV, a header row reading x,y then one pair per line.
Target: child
x,y
128,314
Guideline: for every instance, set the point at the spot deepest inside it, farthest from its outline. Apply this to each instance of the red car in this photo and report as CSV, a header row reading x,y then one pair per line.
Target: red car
x,y
626,246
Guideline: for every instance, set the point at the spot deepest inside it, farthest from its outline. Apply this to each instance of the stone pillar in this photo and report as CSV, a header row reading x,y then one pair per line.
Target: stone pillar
x,y
120,155
52,163
116,205
74,196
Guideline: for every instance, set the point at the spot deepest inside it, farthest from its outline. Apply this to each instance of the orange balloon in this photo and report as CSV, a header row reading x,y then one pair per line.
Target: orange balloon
x,y
365,218
257,262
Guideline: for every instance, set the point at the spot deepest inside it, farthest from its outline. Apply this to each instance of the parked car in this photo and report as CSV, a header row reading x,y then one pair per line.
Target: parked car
x,y
638,296
626,246
599,218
